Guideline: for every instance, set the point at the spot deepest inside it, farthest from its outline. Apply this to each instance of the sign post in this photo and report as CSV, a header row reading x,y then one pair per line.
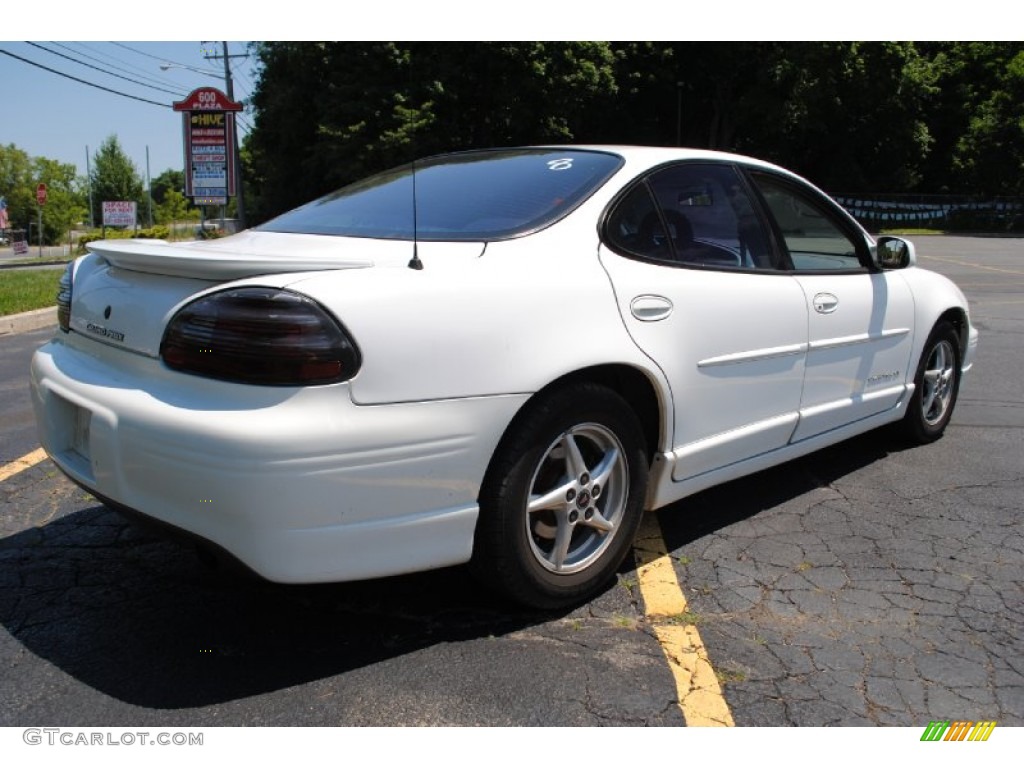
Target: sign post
x,y
209,134
41,199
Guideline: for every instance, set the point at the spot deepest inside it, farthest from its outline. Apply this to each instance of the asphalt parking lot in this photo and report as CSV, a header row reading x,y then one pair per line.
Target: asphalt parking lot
x,y
870,584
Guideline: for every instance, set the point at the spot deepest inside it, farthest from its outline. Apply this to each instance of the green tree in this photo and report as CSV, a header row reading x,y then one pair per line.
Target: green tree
x,y
987,154
114,177
21,174
849,115
854,117
174,207
167,181
16,186
330,113
66,203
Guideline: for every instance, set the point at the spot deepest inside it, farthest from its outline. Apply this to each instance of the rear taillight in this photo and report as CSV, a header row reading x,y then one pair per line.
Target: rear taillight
x,y
259,335
64,298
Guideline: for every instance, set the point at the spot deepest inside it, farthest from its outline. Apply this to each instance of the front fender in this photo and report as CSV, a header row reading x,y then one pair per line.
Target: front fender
x,y
937,297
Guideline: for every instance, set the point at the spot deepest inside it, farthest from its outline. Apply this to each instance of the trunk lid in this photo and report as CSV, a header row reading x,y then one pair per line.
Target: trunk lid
x,y
127,291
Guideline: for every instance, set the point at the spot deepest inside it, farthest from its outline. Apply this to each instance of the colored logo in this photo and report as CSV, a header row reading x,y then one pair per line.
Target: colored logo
x,y
958,730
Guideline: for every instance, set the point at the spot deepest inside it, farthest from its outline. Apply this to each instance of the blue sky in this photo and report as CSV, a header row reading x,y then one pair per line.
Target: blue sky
x,y
48,115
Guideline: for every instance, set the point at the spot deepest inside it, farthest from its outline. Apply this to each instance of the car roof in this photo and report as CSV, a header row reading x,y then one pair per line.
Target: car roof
x,y
656,155
639,158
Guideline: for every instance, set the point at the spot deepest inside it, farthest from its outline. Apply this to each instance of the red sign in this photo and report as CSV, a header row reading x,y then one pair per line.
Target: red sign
x,y
41,194
207,100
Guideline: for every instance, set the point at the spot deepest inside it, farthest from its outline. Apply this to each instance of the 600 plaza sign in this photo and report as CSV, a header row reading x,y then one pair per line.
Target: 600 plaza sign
x,y
209,132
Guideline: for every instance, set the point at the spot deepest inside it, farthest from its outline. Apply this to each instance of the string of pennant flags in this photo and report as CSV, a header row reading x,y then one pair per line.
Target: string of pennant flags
x,y
935,211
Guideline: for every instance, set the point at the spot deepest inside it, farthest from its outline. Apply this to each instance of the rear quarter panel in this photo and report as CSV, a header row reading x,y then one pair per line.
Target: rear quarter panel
x,y
510,321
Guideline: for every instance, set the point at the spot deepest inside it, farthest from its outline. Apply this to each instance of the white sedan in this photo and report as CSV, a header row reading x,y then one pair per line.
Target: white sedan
x,y
499,357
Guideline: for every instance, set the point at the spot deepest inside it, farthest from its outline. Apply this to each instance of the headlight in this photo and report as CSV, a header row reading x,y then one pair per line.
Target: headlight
x,y
259,335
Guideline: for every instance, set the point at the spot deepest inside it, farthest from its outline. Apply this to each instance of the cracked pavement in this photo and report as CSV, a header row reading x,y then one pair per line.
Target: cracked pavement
x,y
873,584
855,604
868,584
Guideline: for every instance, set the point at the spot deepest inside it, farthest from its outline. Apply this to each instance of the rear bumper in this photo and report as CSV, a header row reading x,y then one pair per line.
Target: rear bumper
x,y
301,485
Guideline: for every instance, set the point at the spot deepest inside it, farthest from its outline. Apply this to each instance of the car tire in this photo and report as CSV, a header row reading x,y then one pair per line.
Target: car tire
x,y
936,385
562,498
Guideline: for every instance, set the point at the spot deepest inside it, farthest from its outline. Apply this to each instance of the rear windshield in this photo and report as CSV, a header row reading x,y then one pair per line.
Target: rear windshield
x,y
468,196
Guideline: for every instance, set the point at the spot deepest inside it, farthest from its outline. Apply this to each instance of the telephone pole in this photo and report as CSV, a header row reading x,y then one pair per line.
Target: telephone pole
x,y
229,88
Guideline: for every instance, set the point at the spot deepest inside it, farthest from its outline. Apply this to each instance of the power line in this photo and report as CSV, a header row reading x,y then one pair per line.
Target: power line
x,y
128,68
148,55
84,82
239,75
188,67
104,71
163,60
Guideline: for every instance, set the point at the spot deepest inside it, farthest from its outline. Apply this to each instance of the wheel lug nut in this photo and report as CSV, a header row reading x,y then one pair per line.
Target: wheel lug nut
x,y
589,514
595,491
574,516
570,495
584,478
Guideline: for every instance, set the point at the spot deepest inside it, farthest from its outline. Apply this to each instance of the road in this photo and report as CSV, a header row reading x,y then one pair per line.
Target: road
x,y
49,252
868,584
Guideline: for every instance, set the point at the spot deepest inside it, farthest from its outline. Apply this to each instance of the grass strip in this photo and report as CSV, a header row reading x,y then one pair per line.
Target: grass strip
x,y
25,289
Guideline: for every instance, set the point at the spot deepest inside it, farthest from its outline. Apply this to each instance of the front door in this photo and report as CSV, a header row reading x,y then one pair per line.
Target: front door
x,y
699,293
859,322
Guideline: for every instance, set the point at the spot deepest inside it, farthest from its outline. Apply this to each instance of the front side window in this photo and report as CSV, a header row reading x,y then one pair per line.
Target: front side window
x,y
476,196
691,214
814,239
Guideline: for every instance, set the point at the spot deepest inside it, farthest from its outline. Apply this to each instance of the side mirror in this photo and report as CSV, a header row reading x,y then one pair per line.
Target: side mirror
x,y
893,253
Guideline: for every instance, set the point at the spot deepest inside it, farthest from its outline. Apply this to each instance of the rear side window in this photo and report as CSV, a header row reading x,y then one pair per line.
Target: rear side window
x,y
696,214
487,195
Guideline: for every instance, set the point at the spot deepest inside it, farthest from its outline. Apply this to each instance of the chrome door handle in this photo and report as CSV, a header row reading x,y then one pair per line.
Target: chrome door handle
x,y
649,308
825,303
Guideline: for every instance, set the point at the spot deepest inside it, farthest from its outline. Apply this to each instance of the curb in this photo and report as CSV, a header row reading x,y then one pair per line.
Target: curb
x,y
28,321
33,264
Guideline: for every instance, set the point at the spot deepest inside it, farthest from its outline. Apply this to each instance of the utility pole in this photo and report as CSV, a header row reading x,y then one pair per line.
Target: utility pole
x,y
229,88
88,176
149,189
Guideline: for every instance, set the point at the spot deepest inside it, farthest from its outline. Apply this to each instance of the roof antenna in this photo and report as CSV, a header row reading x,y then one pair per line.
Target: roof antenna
x,y
414,262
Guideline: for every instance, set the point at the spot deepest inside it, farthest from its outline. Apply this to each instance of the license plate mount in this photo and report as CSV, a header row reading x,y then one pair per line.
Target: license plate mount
x,y
80,434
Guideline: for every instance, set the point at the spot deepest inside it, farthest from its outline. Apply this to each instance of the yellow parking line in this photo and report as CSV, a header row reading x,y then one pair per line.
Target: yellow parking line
x,y
666,609
25,462
972,265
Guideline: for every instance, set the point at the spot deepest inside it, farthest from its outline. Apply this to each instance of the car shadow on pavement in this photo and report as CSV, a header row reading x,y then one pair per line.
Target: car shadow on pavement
x,y
716,508
135,616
